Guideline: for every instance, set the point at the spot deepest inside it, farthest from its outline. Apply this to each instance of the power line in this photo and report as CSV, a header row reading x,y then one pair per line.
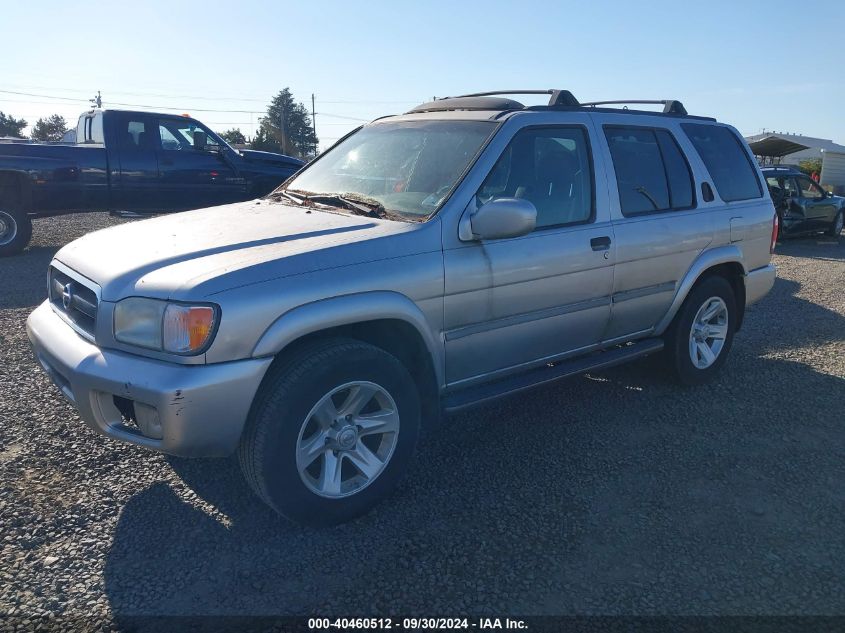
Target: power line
x,y
221,98
161,107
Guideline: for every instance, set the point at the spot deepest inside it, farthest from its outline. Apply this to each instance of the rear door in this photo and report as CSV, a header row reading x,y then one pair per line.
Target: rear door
x,y
193,170
659,224
135,177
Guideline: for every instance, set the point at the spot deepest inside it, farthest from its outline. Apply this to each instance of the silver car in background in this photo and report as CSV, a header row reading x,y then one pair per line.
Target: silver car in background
x,y
468,249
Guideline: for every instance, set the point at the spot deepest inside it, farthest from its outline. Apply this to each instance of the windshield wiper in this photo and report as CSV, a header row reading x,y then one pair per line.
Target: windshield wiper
x,y
358,205
290,195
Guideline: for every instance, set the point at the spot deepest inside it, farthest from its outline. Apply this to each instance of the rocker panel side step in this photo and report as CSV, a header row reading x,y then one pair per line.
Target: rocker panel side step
x,y
478,394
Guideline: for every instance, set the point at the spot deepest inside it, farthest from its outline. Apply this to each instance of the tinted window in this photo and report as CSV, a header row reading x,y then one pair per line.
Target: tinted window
x,y
134,135
651,172
551,167
733,173
677,171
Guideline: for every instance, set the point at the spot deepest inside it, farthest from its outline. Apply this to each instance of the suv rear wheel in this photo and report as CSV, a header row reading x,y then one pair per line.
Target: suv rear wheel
x,y
331,432
698,342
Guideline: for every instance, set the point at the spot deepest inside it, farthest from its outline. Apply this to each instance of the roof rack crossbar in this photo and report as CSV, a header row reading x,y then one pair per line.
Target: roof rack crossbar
x,y
557,97
670,106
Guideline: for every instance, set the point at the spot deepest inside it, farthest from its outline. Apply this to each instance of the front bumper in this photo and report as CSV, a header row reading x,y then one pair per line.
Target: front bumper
x,y
758,282
188,410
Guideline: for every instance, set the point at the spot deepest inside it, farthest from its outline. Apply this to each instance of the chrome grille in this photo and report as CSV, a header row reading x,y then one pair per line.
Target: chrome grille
x,y
75,300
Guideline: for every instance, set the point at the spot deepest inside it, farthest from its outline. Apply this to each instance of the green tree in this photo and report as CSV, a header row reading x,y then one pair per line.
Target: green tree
x,y
50,129
234,136
811,165
287,128
10,126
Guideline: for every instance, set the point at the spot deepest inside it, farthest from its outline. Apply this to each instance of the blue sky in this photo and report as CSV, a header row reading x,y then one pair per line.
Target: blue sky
x,y
732,60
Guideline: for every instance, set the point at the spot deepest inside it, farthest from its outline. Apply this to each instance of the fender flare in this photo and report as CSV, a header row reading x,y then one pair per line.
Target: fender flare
x,y
728,254
348,310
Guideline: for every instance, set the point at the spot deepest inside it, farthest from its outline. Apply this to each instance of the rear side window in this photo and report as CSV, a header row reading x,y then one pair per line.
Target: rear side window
x,y
652,174
727,161
134,135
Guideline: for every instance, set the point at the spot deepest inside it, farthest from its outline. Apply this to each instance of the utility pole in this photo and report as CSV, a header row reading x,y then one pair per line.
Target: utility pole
x,y
314,122
97,101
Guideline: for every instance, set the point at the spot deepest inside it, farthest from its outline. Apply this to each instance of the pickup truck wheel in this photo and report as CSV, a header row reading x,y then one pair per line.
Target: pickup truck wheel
x,y
15,230
331,432
700,337
836,228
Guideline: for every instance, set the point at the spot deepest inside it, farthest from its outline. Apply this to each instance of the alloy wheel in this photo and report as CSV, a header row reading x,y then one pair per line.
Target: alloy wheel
x,y
347,439
708,332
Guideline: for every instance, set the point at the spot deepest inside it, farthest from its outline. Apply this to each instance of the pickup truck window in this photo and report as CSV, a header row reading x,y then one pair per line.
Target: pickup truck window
x,y
134,135
408,167
183,134
551,167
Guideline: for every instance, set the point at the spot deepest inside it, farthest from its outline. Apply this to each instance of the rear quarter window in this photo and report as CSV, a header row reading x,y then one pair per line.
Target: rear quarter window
x,y
733,173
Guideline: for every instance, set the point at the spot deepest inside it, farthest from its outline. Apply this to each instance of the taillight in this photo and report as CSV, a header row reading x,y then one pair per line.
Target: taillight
x,y
775,224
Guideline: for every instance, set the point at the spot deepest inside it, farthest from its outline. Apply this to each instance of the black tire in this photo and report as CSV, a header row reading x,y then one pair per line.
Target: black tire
x,y
15,228
836,228
267,451
677,337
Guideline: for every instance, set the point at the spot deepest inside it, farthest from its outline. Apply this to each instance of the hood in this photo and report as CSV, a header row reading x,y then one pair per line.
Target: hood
x,y
269,157
195,254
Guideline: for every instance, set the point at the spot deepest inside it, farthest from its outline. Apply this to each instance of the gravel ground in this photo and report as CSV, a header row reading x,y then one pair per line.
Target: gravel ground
x,y
614,493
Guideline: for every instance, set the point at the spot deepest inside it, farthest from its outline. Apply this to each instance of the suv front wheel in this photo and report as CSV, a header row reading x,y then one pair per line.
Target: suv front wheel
x,y
331,431
698,342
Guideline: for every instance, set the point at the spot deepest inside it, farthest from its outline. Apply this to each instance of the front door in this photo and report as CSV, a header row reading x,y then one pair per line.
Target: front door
x,y
819,209
517,302
193,169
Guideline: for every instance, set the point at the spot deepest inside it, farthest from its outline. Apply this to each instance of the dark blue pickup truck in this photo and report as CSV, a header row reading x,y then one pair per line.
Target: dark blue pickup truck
x,y
128,161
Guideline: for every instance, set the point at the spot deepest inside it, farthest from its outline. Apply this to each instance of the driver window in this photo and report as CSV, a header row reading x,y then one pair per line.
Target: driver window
x,y
809,189
551,168
182,134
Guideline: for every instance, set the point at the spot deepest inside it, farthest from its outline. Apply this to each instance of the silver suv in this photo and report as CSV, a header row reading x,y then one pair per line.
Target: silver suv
x,y
468,249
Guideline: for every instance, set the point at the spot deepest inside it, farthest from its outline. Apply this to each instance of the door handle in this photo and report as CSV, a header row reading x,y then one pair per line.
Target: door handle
x,y
600,243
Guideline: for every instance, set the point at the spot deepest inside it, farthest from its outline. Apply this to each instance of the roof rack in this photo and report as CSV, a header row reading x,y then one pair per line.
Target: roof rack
x,y
670,106
557,99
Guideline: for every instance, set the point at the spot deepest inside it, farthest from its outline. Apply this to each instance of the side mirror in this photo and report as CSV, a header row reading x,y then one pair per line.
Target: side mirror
x,y
503,217
200,140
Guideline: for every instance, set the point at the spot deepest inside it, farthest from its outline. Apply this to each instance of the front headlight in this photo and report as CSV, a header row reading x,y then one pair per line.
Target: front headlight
x,y
178,328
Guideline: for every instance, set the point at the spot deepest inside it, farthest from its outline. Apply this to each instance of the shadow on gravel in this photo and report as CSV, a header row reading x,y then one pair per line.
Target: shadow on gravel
x,y
24,277
619,493
782,321
813,247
